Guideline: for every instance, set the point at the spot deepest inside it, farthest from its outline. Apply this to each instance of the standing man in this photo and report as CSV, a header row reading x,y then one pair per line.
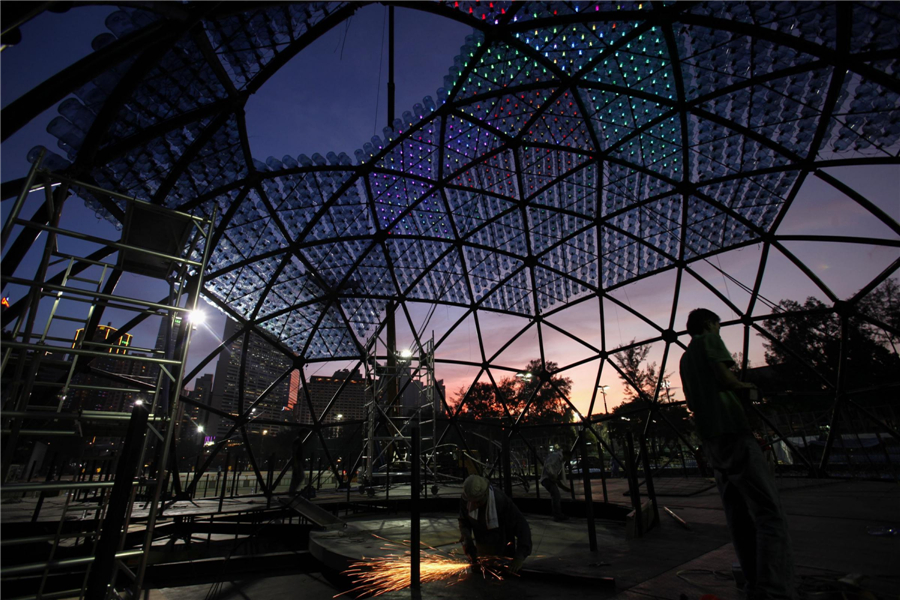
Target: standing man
x,y
491,525
755,517
553,477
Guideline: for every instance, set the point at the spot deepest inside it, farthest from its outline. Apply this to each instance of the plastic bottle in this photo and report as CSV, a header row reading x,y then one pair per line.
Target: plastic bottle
x,y
62,129
120,23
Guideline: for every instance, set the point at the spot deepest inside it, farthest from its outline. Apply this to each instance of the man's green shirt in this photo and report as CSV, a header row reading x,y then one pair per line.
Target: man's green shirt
x,y
717,411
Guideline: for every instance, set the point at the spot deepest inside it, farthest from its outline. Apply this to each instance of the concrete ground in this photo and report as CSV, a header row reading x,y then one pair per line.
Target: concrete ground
x,y
837,528
834,526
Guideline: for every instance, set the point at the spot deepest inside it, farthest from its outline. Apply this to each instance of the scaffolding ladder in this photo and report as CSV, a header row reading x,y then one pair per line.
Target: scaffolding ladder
x,y
50,375
388,418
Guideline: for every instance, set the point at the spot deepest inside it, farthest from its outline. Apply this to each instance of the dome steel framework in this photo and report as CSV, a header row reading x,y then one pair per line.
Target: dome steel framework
x,y
574,149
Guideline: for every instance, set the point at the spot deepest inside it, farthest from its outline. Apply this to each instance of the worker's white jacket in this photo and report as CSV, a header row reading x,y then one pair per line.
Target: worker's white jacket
x,y
554,468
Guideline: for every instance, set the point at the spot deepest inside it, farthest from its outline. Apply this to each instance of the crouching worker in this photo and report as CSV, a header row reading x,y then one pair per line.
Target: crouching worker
x,y
491,525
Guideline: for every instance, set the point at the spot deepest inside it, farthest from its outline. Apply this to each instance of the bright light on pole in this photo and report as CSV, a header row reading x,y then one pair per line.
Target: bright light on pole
x,y
668,386
603,389
197,317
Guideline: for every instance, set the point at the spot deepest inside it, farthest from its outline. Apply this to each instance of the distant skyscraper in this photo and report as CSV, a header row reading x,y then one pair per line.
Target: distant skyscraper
x,y
351,404
107,399
353,398
264,365
413,397
173,333
202,394
106,334
203,388
294,395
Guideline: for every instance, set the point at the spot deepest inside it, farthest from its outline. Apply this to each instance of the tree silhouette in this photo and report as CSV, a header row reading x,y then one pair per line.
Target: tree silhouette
x,y
543,395
481,401
883,304
806,354
537,392
640,379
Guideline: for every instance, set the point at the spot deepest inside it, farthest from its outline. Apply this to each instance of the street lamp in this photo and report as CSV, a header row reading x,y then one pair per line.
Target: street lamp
x,y
196,317
527,376
603,389
667,386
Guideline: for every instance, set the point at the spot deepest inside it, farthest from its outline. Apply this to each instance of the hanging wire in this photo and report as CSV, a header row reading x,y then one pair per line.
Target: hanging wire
x,y
773,306
380,70
727,291
346,31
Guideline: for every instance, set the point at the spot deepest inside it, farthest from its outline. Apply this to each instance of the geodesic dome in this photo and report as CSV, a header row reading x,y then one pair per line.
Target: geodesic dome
x,y
575,148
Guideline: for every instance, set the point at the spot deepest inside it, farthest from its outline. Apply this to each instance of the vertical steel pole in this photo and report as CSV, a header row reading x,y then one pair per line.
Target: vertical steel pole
x,y
602,471
390,66
633,483
414,508
40,502
505,460
588,493
20,200
393,371
103,569
183,342
838,396
224,479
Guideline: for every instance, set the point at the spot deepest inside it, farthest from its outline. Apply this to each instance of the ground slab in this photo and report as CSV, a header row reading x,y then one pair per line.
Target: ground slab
x,y
835,525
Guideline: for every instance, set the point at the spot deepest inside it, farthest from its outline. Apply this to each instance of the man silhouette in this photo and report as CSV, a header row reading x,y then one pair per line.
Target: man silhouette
x,y
749,496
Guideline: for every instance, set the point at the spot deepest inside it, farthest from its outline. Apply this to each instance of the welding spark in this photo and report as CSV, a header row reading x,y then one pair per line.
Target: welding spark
x,y
377,576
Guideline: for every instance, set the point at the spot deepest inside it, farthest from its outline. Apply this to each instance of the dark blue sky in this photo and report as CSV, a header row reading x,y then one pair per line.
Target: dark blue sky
x,y
331,97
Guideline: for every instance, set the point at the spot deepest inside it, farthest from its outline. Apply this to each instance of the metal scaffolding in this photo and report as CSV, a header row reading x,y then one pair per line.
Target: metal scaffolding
x,y
400,395
50,378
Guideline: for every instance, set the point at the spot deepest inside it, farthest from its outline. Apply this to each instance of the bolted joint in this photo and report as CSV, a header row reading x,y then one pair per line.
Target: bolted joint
x,y
844,309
